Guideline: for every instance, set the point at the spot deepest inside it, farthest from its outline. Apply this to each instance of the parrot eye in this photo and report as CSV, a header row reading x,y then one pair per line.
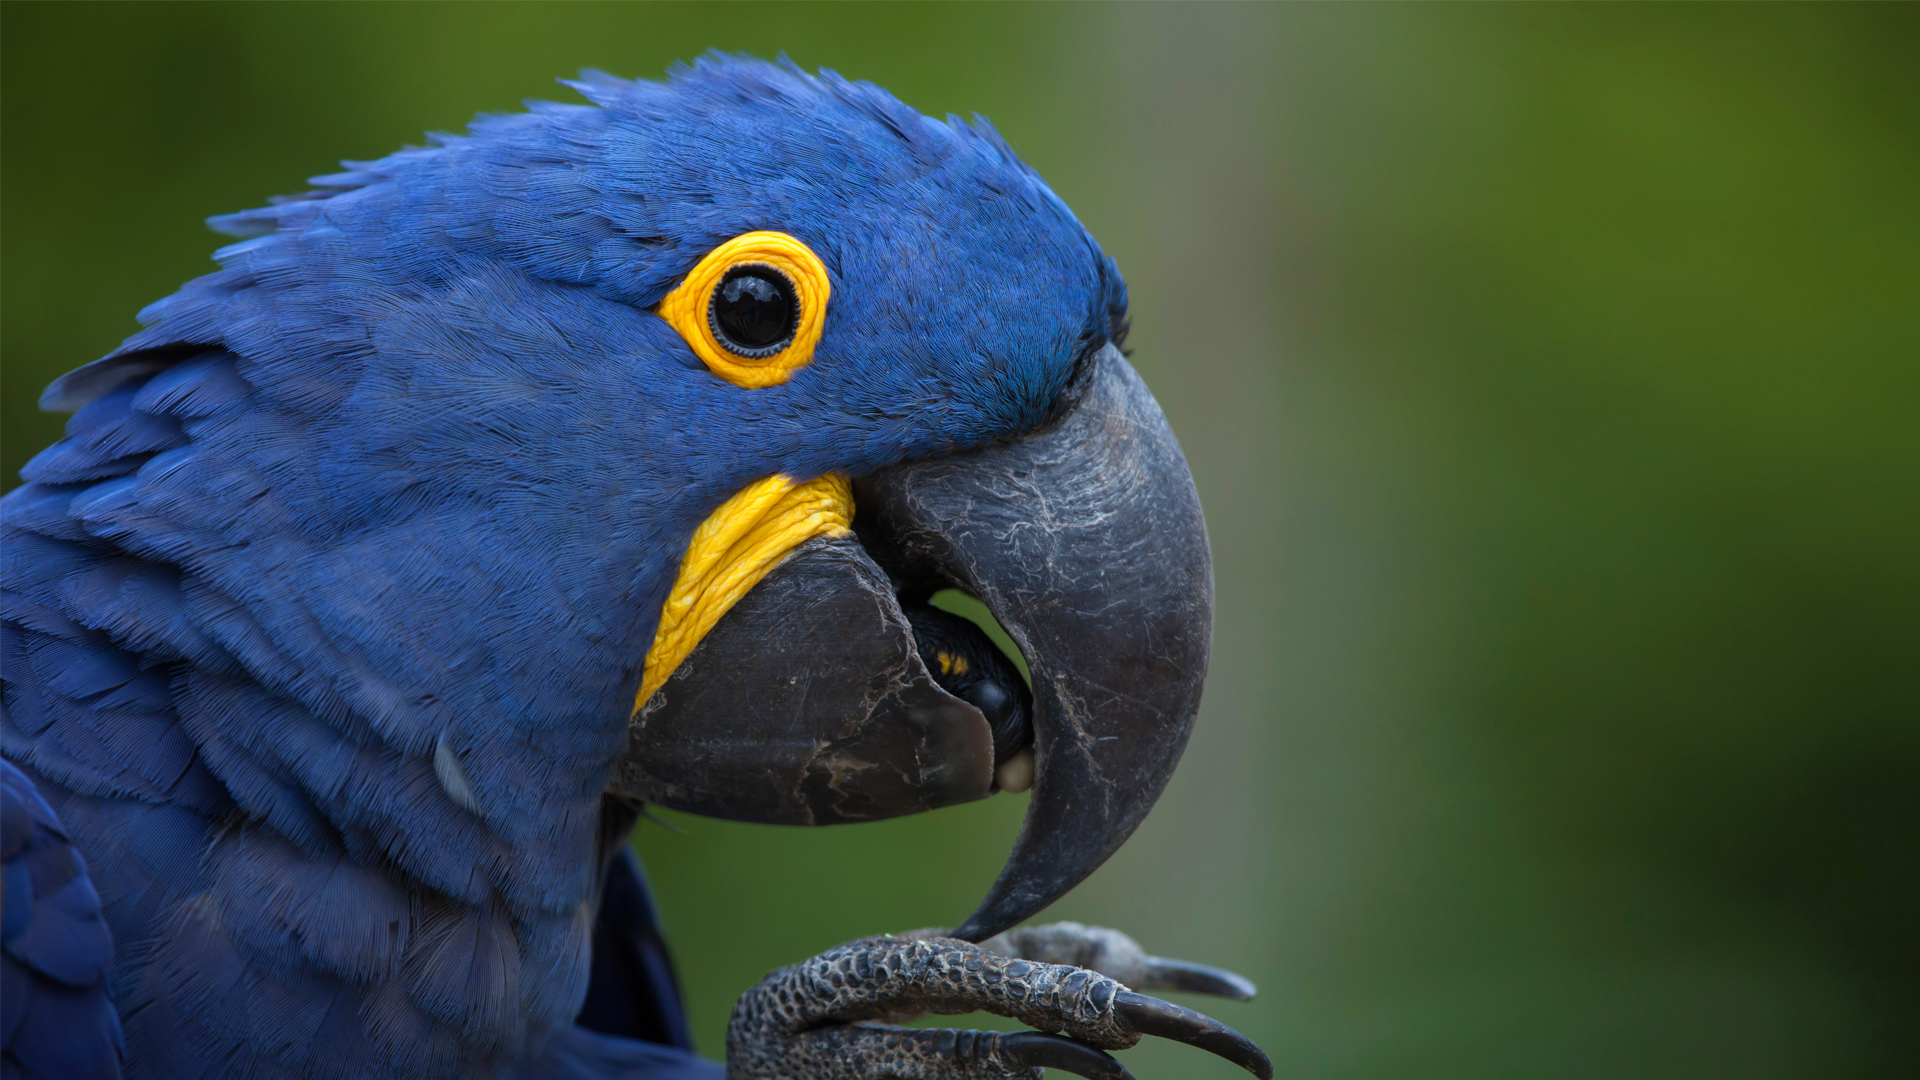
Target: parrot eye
x,y
754,311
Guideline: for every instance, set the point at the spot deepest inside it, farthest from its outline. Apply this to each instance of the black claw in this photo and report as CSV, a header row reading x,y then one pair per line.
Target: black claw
x,y
1031,1049
1151,1016
1165,974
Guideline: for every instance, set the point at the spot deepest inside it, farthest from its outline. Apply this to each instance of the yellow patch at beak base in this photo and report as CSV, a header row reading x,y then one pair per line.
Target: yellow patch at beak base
x,y
731,551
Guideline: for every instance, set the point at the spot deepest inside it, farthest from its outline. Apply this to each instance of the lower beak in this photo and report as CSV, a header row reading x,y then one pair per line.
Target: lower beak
x,y
808,703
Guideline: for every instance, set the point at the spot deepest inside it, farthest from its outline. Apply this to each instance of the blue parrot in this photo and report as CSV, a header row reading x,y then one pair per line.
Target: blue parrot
x,y
605,454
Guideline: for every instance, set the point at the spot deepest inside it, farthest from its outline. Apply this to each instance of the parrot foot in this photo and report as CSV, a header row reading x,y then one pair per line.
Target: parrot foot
x,y
1115,955
824,1019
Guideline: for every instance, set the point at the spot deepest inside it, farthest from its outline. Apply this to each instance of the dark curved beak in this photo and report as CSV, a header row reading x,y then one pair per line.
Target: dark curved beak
x,y
808,703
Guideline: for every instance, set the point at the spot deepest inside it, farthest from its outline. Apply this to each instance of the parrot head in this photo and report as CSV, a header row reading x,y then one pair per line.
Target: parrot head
x,y
618,448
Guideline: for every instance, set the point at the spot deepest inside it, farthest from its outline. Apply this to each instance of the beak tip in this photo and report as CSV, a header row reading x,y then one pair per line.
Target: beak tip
x,y
1115,693
983,924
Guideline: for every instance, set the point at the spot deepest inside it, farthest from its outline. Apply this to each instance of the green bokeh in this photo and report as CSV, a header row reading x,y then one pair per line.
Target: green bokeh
x,y
1552,380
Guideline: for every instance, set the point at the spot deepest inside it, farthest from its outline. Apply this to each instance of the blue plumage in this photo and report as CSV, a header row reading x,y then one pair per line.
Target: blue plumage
x,y
414,470
55,948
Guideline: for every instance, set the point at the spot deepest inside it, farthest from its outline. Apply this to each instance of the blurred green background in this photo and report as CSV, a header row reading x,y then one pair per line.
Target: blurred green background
x,y
1551,377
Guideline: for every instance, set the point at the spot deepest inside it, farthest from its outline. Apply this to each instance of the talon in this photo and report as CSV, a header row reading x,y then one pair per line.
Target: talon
x,y
1165,974
1031,1049
1151,1016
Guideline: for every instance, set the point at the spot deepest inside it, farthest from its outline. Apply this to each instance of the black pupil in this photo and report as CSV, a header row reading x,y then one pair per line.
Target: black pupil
x,y
754,309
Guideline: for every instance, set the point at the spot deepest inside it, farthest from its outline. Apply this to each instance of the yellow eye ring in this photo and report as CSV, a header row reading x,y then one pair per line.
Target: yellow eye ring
x,y
753,309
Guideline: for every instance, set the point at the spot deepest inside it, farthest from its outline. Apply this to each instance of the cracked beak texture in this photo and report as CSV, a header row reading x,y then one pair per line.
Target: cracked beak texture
x,y
808,703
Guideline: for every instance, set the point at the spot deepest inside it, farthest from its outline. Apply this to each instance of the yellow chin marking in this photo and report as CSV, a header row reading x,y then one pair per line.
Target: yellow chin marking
x,y
731,551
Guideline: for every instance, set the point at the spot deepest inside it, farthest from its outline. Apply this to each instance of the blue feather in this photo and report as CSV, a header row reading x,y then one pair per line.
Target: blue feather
x,y
194,388
55,948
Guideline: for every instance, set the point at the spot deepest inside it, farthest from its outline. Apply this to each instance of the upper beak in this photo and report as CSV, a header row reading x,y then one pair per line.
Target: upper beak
x,y
808,702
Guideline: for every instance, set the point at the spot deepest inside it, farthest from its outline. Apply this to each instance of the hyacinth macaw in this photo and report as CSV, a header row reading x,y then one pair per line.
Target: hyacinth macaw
x,y
605,454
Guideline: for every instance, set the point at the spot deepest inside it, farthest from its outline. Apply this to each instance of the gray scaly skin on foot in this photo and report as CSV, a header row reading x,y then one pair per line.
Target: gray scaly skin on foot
x,y
832,1017
804,1022
1115,955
